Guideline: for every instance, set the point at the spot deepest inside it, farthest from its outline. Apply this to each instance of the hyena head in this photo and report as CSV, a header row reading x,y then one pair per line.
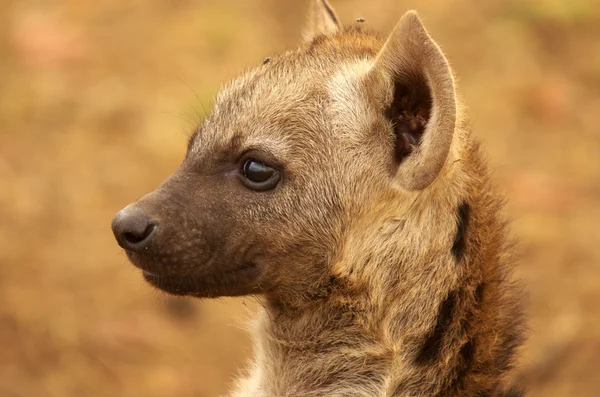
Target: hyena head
x,y
295,156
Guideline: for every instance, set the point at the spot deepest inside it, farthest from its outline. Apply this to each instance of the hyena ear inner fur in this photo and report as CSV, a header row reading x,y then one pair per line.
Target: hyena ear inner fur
x,y
413,83
322,21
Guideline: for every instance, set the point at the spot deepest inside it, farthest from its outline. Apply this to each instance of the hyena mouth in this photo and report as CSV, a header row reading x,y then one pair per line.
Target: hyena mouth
x,y
241,280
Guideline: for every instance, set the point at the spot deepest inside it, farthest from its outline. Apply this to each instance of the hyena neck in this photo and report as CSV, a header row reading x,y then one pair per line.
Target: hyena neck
x,y
429,313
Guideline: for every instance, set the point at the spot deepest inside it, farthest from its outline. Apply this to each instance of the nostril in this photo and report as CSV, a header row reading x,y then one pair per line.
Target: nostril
x,y
133,229
135,238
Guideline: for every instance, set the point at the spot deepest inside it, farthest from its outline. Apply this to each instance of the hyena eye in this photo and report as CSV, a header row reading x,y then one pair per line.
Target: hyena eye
x,y
259,176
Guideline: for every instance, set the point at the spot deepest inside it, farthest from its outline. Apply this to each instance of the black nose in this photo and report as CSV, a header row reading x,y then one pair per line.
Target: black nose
x,y
133,229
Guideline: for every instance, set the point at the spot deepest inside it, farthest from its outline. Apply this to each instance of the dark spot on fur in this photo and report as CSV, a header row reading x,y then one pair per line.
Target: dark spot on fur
x,y
458,248
504,359
479,293
360,20
430,350
467,352
464,365
266,60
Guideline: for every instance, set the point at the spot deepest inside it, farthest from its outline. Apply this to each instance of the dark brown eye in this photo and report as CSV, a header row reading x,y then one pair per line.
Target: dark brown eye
x,y
259,176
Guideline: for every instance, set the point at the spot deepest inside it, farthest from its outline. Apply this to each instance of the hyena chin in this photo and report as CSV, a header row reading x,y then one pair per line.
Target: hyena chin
x,y
339,181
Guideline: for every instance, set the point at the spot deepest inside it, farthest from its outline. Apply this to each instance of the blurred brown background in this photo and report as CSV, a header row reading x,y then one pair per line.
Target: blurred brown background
x,y
97,98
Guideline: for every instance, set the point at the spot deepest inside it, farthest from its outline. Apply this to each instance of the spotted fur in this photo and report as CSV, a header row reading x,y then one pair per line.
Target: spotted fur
x,y
422,303
381,256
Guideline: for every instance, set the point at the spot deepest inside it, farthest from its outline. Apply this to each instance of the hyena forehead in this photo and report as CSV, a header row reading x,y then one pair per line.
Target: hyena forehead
x,y
299,89
255,108
350,110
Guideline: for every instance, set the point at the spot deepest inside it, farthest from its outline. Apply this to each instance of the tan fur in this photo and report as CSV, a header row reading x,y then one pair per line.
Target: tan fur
x,y
395,268
380,256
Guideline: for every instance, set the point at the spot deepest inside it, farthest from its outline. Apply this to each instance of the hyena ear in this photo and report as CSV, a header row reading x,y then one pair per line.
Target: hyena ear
x,y
412,80
322,20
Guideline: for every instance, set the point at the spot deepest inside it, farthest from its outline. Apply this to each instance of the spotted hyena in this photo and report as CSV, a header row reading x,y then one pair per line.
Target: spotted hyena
x,y
339,182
